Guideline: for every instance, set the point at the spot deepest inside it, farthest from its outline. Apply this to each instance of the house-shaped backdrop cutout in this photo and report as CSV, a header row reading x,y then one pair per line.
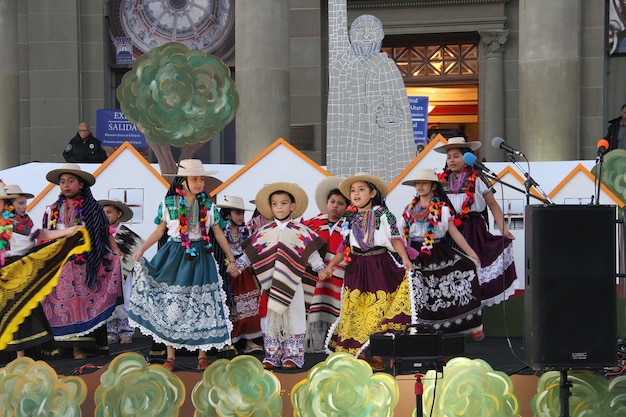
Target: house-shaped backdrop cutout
x,y
578,186
126,170
278,162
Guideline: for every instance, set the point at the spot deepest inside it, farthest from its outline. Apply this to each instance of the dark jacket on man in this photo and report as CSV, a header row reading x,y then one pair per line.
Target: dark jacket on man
x,y
88,151
612,133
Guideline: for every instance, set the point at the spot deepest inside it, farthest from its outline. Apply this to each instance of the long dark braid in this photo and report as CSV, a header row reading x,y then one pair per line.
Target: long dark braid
x,y
97,225
378,199
176,184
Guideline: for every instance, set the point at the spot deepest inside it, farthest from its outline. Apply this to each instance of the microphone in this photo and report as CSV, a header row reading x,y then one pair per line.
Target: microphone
x,y
603,145
499,143
471,160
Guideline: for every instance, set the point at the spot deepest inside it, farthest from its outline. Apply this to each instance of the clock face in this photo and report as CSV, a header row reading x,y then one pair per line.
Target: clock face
x,y
205,25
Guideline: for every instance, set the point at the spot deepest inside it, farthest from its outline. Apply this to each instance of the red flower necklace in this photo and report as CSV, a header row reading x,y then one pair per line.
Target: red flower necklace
x,y
184,223
469,182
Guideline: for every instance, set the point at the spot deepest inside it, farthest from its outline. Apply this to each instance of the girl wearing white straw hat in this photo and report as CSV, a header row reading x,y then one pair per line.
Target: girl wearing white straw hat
x,y
32,271
244,294
178,296
470,197
90,285
375,297
427,224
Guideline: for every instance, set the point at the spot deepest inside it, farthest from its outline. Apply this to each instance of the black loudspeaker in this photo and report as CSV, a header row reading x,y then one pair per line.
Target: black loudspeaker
x,y
570,318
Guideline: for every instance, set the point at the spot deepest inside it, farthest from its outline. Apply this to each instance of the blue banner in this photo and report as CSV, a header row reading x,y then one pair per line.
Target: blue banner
x,y
419,118
113,129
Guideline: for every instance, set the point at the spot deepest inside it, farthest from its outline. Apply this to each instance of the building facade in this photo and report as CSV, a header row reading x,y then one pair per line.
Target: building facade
x,y
535,73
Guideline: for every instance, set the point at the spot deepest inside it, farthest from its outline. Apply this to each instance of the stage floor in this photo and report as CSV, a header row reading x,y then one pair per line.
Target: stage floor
x,y
503,354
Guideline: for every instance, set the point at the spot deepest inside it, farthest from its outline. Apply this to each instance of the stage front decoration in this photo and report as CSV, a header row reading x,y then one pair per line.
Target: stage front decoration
x,y
203,25
345,386
239,387
592,395
469,387
131,387
178,97
32,388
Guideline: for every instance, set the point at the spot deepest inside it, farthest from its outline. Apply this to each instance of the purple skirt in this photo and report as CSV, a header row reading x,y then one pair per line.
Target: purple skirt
x,y
375,300
497,276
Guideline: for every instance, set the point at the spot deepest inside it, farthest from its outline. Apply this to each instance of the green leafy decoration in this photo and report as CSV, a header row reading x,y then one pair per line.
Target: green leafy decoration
x,y
178,96
32,388
344,386
239,387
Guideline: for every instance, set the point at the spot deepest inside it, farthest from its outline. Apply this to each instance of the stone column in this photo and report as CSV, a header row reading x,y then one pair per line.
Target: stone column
x,y
261,75
9,80
492,124
549,79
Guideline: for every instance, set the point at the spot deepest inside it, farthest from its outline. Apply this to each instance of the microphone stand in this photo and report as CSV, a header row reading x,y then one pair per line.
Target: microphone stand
x,y
599,162
494,177
530,182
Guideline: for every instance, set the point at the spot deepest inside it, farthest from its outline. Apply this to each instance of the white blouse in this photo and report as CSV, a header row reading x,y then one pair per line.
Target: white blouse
x,y
479,197
194,231
382,235
417,229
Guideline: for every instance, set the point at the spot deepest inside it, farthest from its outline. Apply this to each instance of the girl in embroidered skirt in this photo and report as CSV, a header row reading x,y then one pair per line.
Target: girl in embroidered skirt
x,y
119,329
90,285
177,297
375,297
470,196
326,301
279,253
444,286
29,271
244,287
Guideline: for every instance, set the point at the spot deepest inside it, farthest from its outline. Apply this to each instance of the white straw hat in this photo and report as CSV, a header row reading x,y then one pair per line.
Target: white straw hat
x,y
423,175
191,168
127,212
17,190
233,202
74,169
457,142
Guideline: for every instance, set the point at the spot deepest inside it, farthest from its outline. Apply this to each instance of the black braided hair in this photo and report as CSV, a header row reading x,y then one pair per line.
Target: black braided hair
x,y
378,199
176,184
98,227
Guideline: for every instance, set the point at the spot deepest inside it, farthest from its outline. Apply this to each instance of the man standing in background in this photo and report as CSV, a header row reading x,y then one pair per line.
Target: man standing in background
x,y
84,147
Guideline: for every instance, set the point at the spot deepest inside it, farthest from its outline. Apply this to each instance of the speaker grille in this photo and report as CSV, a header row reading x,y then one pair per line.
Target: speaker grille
x,y
570,318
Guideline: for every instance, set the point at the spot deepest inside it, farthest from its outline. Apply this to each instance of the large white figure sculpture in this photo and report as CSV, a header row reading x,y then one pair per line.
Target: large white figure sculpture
x,y
369,118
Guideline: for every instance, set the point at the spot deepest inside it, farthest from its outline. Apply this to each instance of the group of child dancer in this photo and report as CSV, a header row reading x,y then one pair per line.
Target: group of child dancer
x,y
323,284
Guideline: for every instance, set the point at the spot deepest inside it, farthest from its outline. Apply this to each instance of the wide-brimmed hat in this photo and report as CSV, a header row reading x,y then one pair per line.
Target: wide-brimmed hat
x,y
127,213
324,187
74,169
423,175
379,183
17,190
233,202
457,142
6,196
262,198
191,168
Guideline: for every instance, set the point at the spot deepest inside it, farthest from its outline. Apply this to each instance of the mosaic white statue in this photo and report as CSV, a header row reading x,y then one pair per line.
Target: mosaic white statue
x,y
369,118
